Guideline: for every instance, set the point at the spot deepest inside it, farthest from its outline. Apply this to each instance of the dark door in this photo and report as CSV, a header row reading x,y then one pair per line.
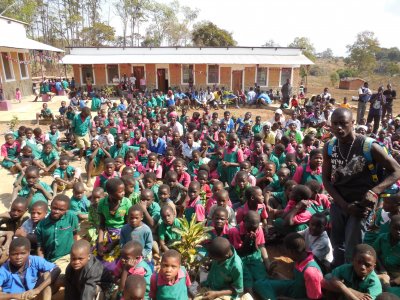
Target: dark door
x,y
138,72
237,82
161,80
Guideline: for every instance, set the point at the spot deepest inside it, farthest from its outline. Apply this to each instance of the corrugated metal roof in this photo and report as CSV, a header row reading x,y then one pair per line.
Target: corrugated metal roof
x,y
246,59
26,43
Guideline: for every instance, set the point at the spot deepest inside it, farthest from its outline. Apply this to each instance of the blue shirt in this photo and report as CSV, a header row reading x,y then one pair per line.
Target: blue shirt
x,y
230,125
11,282
265,97
159,147
58,86
142,234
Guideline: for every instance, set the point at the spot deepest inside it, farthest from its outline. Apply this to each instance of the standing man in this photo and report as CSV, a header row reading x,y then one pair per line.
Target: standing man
x,y
390,95
348,179
286,91
375,110
364,94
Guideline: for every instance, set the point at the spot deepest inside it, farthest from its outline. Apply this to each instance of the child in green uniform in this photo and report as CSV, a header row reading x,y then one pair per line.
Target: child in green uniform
x,y
79,202
172,281
358,279
278,155
257,127
119,148
65,175
10,151
130,188
49,157
194,164
232,158
236,192
224,261
96,103
165,233
307,280
93,216
95,157
387,248
277,201
151,209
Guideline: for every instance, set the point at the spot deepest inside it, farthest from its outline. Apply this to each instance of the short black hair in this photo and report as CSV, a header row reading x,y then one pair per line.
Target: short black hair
x,y
314,186
19,200
135,281
301,192
113,184
128,180
62,198
172,253
219,247
295,242
32,169
133,246
221,209
364,249
109,160
20,242
164,187
40,204
387,296
80,245
315,152
136,207
150,175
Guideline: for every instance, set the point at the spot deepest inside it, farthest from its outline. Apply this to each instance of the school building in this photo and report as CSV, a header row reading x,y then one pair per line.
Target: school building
x,y
234,68
15,57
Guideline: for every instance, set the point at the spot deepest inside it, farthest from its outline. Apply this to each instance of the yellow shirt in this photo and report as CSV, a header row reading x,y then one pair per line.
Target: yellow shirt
x,y
269,138
345,105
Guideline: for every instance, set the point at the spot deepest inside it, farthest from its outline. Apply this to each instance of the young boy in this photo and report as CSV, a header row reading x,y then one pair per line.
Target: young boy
x,y
45,113
57,232
151,209
85,275
358,279
135,288
172,281
136,230
165,233
224,261
194,204
65,176
307,274
35,190
79,202
25,276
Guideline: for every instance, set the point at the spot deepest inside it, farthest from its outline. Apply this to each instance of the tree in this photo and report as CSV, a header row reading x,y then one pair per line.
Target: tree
x,y
270,43
99,34
327,54
362,54
334,77
207,34
306,46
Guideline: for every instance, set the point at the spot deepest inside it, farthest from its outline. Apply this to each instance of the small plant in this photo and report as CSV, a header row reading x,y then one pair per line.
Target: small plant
x,y
192,234
13,123
108,91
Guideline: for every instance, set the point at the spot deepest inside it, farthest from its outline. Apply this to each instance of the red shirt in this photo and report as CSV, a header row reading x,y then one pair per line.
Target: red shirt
x,y
236,232
159,280
312,278
242,212
301,217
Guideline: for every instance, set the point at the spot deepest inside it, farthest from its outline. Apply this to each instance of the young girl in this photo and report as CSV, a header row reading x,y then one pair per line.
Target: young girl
x,y
233,156
31,142
49,158
113,211
183,177
312,170
18,95
137,139
167,161
10,152
143,153
108,173
153,165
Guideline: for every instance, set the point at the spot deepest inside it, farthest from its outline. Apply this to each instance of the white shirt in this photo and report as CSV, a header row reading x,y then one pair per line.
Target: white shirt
x,y
251,95
187,151
320,246
132,79
107,140
177,127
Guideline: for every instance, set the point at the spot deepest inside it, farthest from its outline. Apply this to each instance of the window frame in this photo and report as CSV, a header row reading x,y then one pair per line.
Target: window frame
x,y
266,76
193,74
83,82
24,65
108,78
218,75
3,59
280,76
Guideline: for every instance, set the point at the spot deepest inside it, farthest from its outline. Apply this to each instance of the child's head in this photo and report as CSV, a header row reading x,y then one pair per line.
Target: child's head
x,y
19,251
253,196
364,260
202,177
295,246
149,179
220,249
38,211
171,178
318,224
316,158
31,175
252,221
47,147
78,190
147,196
300,192
222,197
279,149
153,158
288,187
9,138
391,204
59,207
179,164
164,192
37,132
135,216
80,254
220,217
242,179
269,169
18,208
218,186
109,166
132,250
143,147
290,159
130,156
167,215
129,183
97,194
196,156
26,151
315,187
170,265
283,175
194,190
115,189
64,162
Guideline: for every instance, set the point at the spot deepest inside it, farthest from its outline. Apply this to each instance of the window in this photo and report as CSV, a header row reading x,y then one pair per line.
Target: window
x,y
286,73
112,74
187,74
262,76
7,66
87,74
22,66
213,74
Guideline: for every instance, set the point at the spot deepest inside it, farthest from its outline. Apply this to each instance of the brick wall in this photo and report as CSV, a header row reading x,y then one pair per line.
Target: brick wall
x,y
225,77
273,81
249,77
151,76
77,74
200,75
175,75
125,69
296,78
100,75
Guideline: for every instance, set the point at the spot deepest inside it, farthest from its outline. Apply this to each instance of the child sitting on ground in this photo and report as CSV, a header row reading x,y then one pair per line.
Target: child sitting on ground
x,y
49,158
95,157
132,263
219,222
35,190
172,278
194,204
45,114
306,283
222,200
108,173
165,233
224,261
151,209
312,170
358,279
37,274
93,216
164,193
65,176
10,152
85,275
255,202
79,202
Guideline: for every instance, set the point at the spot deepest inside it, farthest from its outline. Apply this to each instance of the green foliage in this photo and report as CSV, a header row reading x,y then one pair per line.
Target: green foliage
x,y
388,68
99,34
343,73
334,77
207,34
13,123
327,54
192,234
306,45
362,52
391,54
109,91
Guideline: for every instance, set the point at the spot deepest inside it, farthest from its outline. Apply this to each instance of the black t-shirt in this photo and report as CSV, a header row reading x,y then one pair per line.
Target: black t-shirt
x,y
390,95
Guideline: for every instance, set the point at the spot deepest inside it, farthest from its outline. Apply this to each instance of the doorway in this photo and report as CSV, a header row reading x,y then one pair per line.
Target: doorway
x,y
162,80
237,81
138,72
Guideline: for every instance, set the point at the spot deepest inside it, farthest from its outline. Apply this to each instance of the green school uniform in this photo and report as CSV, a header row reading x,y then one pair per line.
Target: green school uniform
x,y
35,150
176,291
96,104
115,151
68,173
53,138
154,211
134,198
155,188
226,275
79,206
236,195
256,129
48,159
307,176
97,158
194,167
227,173
166,233
79,127
280,197
147,276
57,237
278,161
12,153
38,196
295,288
253,268
388,254
117,220
370,284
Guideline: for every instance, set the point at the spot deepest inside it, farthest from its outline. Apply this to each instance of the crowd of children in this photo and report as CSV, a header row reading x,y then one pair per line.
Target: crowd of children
x,y
148,166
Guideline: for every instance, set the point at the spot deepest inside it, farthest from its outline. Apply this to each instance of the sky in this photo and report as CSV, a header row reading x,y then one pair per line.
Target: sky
x,y
327,23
